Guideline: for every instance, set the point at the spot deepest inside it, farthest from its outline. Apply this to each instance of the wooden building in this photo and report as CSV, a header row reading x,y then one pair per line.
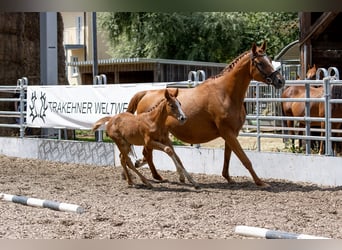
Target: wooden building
x,y
320,40
139,70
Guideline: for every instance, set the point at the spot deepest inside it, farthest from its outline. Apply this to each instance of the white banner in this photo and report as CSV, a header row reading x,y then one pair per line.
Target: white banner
x,y
78,107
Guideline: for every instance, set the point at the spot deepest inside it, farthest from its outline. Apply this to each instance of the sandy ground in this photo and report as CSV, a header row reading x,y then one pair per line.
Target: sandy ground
x,y
250,143
169,210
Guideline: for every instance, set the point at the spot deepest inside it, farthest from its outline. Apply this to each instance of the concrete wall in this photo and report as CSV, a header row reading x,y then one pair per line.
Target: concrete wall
x,y
320,170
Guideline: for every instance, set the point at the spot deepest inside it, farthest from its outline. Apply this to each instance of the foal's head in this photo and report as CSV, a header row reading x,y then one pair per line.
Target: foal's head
x,y
174,106
262,69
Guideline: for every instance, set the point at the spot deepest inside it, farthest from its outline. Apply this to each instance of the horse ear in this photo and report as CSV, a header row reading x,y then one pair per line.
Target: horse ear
x,y
263,46
173,92
167,94
254,48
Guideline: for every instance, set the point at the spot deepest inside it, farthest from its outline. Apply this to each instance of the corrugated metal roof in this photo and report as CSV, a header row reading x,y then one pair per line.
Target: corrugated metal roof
x,y
289,53
145,60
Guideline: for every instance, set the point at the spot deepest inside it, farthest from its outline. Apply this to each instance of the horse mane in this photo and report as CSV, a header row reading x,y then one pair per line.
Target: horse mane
x,y
156,106
230,66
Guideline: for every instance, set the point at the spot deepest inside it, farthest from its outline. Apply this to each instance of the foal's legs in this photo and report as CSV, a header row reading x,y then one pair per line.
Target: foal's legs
x,y
142,178
179,166
126,161
178,162
148,157
124,166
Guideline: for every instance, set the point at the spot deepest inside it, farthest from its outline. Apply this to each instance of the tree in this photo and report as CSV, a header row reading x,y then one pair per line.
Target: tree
x,y
203,36
184,36
277,28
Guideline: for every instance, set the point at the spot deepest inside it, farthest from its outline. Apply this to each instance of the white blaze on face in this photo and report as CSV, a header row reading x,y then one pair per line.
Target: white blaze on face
x,y
182,117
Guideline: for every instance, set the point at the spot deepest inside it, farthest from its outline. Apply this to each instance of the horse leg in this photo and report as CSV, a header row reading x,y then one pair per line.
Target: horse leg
x,y
142,178
179,166
148,157
125,170
140,162
170,151
233,143
225,169
300,141
290,124
321,146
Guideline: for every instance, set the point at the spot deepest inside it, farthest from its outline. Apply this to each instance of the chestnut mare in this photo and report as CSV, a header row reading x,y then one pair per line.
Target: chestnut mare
x,y
215,107
147,129
297,109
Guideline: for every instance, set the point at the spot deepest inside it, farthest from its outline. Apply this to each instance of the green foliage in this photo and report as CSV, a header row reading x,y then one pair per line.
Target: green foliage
x,y
201,36
277,28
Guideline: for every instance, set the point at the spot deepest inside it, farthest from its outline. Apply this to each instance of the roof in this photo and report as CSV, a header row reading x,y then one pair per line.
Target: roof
x,y
290,52
74,46
145,60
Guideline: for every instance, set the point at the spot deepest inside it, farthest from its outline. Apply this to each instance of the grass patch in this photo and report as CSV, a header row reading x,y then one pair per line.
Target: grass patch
x,y
88,135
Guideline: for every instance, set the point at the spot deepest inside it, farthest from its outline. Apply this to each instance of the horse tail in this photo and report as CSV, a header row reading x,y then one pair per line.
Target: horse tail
x,y
133,103
100,122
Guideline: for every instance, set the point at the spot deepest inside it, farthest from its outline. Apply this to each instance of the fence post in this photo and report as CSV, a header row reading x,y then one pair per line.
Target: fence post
x,y
197,77
307,122
332,74
327,97
192,74
22,83
258,115
99,80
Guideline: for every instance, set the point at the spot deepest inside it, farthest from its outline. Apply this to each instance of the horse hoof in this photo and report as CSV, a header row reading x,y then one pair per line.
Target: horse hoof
x,y
231,181
139,163
158,178
130,185
264,185
163,180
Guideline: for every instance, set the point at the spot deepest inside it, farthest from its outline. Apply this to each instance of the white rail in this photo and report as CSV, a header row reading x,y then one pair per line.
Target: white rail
x,y
262,102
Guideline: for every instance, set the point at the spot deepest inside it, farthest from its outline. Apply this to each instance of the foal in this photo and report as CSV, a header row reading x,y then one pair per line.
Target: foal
x,y
147,129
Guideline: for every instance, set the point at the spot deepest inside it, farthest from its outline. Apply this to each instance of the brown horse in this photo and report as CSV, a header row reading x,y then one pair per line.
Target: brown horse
x,y
147,129
297,109
215,107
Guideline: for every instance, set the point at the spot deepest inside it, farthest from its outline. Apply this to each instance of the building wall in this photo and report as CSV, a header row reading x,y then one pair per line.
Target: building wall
x,y
327,47
71,33
319,170
78,31
320,39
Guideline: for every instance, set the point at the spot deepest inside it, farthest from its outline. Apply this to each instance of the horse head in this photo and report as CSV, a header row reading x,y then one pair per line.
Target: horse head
x,y
174,106
262,69
311,73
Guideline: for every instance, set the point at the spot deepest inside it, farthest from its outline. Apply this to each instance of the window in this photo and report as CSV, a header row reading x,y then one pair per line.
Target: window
x,y
74,69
